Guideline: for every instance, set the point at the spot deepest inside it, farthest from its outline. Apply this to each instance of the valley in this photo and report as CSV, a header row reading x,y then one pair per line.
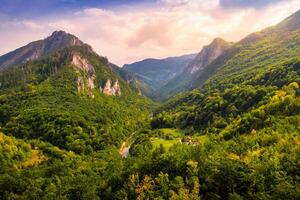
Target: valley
x,y
220,124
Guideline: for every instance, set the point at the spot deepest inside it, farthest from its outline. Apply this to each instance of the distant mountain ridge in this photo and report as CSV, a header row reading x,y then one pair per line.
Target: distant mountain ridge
x,y
194,69
207,55
157,72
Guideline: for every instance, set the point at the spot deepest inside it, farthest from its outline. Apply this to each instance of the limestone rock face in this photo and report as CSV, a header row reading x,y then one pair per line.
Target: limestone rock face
x,y
86,79
111,88
87,76
82,64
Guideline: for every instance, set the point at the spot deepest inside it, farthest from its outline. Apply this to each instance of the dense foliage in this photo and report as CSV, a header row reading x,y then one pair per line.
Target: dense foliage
x,y
237,137
250,110
213,110
40,100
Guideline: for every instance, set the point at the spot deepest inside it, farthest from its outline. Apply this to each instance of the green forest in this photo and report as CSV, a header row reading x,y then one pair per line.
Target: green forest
x,y
235,136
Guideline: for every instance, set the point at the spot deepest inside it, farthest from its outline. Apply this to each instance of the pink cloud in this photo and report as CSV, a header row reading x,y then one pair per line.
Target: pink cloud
x,y
158,32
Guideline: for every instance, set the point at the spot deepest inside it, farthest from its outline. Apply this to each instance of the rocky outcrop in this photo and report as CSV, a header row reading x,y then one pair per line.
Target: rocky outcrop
x,y
207,55
82,64
111,88
86,74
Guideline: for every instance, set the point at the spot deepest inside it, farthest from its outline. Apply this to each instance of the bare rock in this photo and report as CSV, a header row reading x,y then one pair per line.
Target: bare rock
x,y
111,88
86,79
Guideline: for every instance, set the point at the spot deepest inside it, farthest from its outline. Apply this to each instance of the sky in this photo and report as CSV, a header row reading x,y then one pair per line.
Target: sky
x,y
126,31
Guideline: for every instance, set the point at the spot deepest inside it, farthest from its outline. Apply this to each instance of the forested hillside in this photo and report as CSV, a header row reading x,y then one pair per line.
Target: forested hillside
x,y
54,100
66,109
67,118
246,116
257,51
247,74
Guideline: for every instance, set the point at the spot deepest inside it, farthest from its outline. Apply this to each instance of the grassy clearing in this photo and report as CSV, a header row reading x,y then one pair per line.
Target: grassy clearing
x,y
156,142
172,132
167,137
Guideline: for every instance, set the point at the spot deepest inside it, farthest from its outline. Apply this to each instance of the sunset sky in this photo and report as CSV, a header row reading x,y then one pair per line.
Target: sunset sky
x,y
129,30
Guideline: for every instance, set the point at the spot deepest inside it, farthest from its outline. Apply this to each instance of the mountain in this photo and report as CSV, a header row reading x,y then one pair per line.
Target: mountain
x,y
157,72
57,41
72,127
194,69
67,93
207,55
245,80
290,23
66,110
243,117
255,52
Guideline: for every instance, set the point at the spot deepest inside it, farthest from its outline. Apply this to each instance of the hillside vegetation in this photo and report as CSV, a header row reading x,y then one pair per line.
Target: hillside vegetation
x,y
67,117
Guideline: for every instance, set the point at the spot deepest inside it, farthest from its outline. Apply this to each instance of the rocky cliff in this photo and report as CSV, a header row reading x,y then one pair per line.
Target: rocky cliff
x,y
87,77
86,74
207,55
111,88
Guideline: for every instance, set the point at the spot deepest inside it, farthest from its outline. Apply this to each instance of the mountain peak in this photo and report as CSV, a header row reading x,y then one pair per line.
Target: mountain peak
x,y
58,33
218,40
62,35
61,39
208,54
58,40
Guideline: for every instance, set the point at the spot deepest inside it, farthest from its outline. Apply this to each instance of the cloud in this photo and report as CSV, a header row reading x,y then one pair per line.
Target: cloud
x,y
157,32
168,29
247,3
34,8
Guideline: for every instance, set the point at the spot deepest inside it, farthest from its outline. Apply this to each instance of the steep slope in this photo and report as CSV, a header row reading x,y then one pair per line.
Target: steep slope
x,y
244,78
255,52
243,119
57,41
194,69
240,140
157,72
71,96
63,118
